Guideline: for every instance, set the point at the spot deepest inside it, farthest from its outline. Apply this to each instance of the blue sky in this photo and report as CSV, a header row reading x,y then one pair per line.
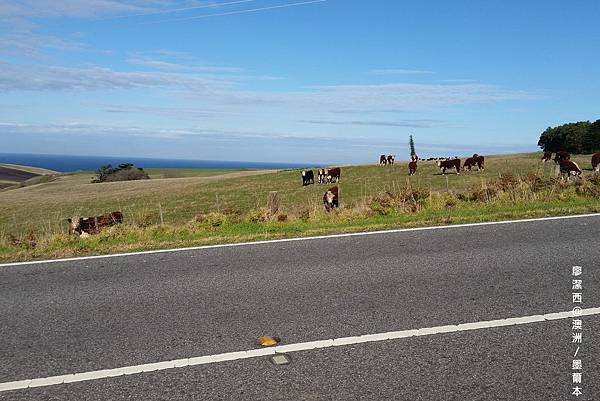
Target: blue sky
x,y
292,81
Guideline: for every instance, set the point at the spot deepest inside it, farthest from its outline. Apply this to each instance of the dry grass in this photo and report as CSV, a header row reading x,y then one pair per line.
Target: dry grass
x,y
231,207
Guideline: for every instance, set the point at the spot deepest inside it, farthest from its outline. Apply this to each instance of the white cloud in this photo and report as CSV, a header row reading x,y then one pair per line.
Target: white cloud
x,y
247,139
15,77
406,123
367,98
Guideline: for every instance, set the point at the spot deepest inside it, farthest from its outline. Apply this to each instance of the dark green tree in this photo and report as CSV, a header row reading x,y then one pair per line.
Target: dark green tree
x,y
591,139
573,137
411,143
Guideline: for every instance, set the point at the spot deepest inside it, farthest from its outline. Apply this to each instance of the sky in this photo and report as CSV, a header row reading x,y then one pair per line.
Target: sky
x,y
339,81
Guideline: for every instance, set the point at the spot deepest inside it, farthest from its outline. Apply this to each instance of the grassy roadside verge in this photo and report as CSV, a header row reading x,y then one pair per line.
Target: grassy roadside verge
x,y
220,230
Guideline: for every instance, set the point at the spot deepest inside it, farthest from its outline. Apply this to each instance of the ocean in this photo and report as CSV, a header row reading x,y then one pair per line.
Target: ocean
x,y
66,163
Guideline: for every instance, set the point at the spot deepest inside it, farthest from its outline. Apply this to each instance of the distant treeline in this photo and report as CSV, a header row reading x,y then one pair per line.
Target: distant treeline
x,y
580,137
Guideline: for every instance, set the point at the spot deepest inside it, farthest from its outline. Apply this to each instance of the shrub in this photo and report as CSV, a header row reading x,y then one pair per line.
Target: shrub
x,y
124,172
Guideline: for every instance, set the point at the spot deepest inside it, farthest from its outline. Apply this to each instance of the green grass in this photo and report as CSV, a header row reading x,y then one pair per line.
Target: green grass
x,y
230,205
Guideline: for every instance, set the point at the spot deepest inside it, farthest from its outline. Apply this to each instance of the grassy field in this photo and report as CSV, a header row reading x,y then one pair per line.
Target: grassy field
x,y
208,206
35,170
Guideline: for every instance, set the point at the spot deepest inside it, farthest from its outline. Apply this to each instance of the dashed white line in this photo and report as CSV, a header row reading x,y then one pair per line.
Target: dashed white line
x,y
382,232
305,346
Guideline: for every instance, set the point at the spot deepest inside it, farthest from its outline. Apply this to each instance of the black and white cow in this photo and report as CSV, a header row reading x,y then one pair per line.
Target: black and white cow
x,y
308,177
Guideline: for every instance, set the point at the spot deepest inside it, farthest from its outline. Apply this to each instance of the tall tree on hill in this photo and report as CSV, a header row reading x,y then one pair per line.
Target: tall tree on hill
x,y
413,153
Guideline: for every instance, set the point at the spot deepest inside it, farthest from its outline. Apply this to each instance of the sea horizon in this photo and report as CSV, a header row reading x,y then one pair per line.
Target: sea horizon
x,y
69,163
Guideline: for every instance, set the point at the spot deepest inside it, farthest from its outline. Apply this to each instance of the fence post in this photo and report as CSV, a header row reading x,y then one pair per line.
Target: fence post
x,y
273,202
162,222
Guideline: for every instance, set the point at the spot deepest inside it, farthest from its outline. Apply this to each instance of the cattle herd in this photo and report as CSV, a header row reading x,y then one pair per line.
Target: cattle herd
x,y
566,167
85,226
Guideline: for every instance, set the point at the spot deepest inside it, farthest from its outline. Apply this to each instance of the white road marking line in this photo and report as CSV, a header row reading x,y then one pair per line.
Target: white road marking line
x,y
274,241
306,346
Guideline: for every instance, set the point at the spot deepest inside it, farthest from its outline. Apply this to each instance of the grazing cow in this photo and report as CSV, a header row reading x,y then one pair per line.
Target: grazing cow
x,y
596,162
390,159
560,156
475,160
322,176
568,168
449,164
468,164
382,160
333,174
85,226
308,177
412,168
330,198
414,158
547,156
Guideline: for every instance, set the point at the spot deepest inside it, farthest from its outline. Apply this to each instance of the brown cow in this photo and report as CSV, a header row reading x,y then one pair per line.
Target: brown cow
x,y
568,168
333,174
596,162
452,163
412,168
475,160
560,156
330,198
468,164
382,160
547,156
85,226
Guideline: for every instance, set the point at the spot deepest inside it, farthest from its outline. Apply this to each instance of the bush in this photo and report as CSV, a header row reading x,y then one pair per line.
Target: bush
x,y
124,172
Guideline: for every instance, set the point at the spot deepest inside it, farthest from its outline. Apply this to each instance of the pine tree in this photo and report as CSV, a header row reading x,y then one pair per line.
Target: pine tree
x,y
412,148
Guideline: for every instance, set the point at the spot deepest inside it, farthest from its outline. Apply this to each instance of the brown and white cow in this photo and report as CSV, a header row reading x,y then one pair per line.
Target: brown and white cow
x,y
547,156
449,164
85,226
596,162
333,175
568,168
382,160
331,199
560,156
475,160
412,168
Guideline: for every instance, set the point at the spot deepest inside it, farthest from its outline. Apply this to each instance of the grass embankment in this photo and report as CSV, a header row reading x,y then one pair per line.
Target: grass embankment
x,y
231,207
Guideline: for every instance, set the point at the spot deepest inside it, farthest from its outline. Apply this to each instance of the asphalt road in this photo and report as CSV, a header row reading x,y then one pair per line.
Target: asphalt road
x,y
94,314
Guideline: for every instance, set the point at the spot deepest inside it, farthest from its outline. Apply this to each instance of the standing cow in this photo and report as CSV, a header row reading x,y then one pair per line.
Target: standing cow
x,y
475,160
412,168
449,164
382,160
331,199
390,159
308,177
568,168
322,175
596,162
333,175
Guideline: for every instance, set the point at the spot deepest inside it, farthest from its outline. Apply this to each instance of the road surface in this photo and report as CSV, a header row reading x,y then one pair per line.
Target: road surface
x,y
90,315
